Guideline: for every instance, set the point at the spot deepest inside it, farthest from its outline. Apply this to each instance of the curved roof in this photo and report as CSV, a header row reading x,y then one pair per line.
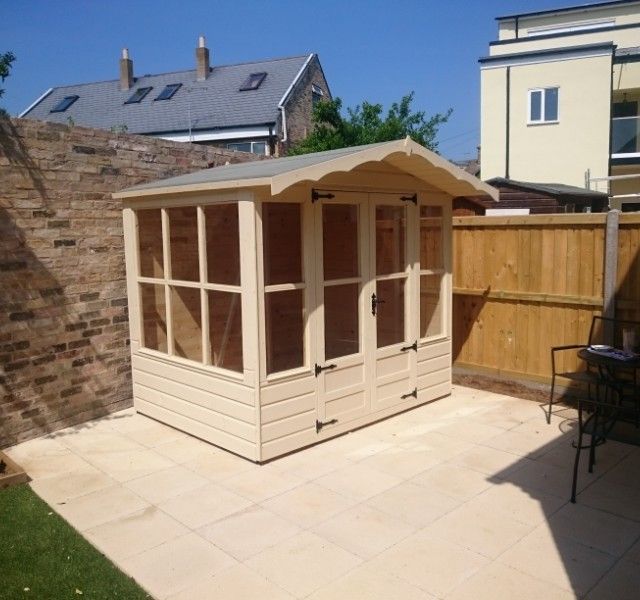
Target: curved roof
x,y
281,173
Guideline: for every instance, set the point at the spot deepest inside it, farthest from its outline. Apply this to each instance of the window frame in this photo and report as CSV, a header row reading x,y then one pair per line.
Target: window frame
x,y
253,81
305,285
65,104
543,105
142,92
444,271
168,282
168,92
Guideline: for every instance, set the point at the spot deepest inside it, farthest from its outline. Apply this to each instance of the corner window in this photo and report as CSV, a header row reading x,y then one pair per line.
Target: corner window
x,y
192,308
543,105
253,82
65,103
432,272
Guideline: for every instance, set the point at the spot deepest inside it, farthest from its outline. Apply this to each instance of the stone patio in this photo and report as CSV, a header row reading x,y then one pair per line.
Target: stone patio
x,y
464,498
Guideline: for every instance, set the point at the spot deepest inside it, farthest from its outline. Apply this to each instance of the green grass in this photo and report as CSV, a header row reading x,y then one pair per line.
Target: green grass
x,y
42,556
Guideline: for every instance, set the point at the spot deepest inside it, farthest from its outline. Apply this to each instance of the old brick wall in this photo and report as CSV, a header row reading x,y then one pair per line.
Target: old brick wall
x,y
299,107
64,355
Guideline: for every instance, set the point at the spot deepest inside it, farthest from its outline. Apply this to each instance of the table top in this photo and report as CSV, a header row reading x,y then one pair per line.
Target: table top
x,y
597,358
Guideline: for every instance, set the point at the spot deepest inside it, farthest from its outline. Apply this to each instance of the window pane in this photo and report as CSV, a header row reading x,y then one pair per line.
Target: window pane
x,y
223,244
225,330
150,240
535,99
154,316
240,146
259,147
551,104
340,241
282,238
186,322
390,314
390,239
431,318
285,330
341,328
431,251
183,233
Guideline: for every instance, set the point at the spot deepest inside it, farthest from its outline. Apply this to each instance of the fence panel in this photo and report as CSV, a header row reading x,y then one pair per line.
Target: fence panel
x,y
524,284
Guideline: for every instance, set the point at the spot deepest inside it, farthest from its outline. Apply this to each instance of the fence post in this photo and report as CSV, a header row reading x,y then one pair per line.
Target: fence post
x,y
610,271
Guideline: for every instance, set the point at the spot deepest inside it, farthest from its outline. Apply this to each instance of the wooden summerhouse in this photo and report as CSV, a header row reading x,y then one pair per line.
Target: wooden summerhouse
x,y
278,303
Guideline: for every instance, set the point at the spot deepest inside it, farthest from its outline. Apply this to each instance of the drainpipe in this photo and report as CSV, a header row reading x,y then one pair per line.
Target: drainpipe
x,y
286,94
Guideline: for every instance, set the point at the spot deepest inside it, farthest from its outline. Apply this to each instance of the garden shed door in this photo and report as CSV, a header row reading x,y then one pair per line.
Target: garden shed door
x,y
341,297
394,332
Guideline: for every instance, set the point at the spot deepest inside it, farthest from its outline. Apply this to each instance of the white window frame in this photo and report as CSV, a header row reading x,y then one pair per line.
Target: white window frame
x,y
542,120
251,144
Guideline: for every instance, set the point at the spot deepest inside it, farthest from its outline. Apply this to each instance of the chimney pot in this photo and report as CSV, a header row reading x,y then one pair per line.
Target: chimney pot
x,y
126,70
202,60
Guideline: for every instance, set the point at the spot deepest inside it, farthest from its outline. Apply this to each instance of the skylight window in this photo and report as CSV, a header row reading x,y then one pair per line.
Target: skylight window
x,y
139,95
65,103
253,82
168,92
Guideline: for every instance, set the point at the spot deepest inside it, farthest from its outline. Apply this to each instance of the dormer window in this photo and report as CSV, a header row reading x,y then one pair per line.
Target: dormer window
x,y
139,95
168,92
65,103
253,82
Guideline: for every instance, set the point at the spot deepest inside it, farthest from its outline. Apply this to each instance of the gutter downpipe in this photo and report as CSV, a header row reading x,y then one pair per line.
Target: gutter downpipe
x,y
286,94
35,103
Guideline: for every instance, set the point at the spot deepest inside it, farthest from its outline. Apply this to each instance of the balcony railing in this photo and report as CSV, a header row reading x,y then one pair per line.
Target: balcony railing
x,y
625,136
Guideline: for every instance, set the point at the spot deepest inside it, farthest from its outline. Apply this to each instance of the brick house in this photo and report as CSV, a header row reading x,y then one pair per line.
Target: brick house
x,y
262,107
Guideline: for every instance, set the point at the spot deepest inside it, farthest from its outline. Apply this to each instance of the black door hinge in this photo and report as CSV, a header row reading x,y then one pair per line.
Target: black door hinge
x,y
374,304
413,199
413,347
413,393
318,369
320,424
316,195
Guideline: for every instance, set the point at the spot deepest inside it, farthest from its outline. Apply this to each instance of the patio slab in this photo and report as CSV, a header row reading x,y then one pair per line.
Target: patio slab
x,y
466,497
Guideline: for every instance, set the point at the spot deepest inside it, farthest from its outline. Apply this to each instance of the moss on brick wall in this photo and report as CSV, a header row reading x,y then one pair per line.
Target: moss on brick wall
x,y
64,332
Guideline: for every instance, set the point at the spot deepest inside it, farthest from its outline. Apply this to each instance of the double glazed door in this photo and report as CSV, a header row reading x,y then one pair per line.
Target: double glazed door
x,y
364,285
341,269
394,338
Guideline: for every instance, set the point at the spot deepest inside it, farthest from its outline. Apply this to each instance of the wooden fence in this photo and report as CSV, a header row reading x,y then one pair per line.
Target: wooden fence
x,y
524,284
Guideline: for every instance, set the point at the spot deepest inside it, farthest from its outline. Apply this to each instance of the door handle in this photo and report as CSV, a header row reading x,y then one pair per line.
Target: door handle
x,y
318,369
413,392
374,304
413,347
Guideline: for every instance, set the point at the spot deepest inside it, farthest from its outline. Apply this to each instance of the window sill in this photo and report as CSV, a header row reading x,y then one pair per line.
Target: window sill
x,y
537,123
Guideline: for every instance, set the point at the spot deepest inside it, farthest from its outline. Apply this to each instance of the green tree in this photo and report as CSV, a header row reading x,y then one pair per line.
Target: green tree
x,y
365,124
6,60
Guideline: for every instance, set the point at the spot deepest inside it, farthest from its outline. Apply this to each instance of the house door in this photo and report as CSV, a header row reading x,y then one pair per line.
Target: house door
x,y
341,268
394,335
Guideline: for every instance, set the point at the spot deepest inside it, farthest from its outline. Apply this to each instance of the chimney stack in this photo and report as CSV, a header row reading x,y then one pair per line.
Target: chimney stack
x,y
202,59
126,70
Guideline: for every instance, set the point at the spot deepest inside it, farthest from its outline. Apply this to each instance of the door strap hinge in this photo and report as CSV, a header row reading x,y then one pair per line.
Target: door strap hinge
x,y
413,347
316,195
318,369
320,424
413,393
413,198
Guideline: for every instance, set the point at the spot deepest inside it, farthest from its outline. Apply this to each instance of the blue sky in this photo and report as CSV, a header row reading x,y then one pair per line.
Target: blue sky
x,y
370,50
